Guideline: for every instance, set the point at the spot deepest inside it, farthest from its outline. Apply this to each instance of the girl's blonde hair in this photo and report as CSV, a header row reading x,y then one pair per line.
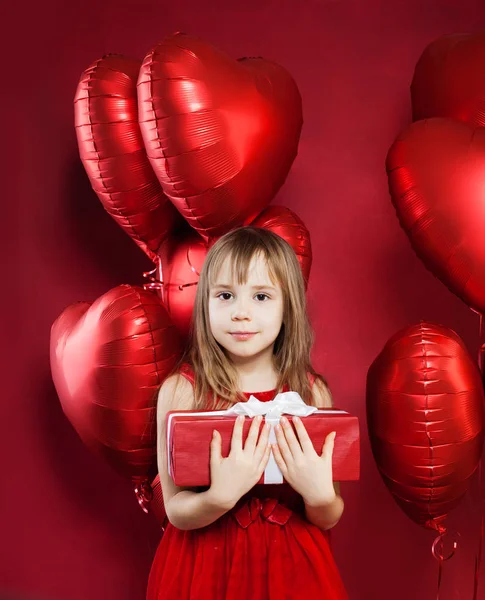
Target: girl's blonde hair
x,y
215,374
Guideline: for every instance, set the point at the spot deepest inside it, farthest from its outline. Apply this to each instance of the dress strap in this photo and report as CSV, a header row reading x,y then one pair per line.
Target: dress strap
x,y
187,371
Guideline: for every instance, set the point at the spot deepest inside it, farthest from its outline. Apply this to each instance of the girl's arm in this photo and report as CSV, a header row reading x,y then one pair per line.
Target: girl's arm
x,y
326,514
185,508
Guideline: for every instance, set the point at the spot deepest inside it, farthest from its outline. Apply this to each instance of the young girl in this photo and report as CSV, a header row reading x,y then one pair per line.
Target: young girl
x,y
237,540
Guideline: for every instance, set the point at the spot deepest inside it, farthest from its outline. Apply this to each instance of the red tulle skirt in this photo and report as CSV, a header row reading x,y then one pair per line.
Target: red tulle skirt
x,y
264,549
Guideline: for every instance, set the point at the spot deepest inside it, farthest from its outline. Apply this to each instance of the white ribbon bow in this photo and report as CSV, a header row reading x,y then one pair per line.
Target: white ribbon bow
x,y
290,403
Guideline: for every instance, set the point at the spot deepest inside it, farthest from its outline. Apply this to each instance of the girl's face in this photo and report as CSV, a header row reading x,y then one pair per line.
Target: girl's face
x,y
255,308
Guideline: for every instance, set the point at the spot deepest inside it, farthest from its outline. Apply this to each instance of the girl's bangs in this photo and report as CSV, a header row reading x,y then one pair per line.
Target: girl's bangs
x,y
240,259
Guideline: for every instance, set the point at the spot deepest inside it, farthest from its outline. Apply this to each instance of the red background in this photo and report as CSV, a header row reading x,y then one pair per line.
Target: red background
x,y
70,527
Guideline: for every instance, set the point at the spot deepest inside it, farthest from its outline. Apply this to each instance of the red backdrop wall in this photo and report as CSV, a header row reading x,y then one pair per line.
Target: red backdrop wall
x,y
70,527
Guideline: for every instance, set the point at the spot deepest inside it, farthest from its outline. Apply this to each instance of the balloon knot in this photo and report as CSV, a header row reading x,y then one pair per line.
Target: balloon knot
x,y
144,494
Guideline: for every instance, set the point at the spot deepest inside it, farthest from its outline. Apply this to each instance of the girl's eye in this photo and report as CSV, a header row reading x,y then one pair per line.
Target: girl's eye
x,y
224,294
264,296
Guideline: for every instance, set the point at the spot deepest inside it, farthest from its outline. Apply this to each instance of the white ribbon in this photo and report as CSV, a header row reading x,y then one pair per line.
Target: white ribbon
x,y
290,403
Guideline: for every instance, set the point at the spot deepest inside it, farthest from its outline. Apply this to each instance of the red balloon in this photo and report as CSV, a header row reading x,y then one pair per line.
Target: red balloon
x,y
448,80
221,134
113,154
290,227
425,419
436,180
108,360
179,266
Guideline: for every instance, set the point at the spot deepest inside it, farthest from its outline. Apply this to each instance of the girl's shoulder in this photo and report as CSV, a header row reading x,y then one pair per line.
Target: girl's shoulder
x,y
321,395
176,392
187,371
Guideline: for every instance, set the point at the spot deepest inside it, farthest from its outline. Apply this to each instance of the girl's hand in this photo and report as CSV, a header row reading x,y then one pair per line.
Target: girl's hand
x,y
308,473
235,475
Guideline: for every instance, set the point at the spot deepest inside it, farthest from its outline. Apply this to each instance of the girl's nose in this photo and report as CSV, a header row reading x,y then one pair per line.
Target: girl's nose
x,y
240,311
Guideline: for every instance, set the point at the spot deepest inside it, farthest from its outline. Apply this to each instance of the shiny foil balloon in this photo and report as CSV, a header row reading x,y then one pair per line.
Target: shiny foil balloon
x,y
180,263
290,227
425,419
221,134
113,154
436,172
108,360
448,80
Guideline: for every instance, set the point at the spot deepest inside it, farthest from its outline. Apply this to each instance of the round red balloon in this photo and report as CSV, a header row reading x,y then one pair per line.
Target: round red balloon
x,y
290,227
113,154
179,266
221,134
425,419
108,360
436,179
448,80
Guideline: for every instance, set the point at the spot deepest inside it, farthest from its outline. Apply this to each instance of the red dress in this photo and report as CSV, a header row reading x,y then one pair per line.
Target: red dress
x,y
262,549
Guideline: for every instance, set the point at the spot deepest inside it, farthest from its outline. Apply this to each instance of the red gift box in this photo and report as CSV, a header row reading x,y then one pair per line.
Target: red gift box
x,y
189,434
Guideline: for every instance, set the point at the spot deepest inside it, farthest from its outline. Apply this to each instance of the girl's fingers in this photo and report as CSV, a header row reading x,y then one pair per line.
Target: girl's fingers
x,y
291,440
215,448
305,441
252,438
279,460
265,459
329,444
263,442
236,440
283,447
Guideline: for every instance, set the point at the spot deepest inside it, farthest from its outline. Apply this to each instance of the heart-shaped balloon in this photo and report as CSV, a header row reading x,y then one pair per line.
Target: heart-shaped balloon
x,y
221,134
113,154
448,79
425,419
108,360
436,172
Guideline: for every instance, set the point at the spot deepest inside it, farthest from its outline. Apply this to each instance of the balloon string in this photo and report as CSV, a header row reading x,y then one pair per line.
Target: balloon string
x,y
440,574
143,492
480,346
437,552
156,284
478,557
150,275
193,269
438,555
190,264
